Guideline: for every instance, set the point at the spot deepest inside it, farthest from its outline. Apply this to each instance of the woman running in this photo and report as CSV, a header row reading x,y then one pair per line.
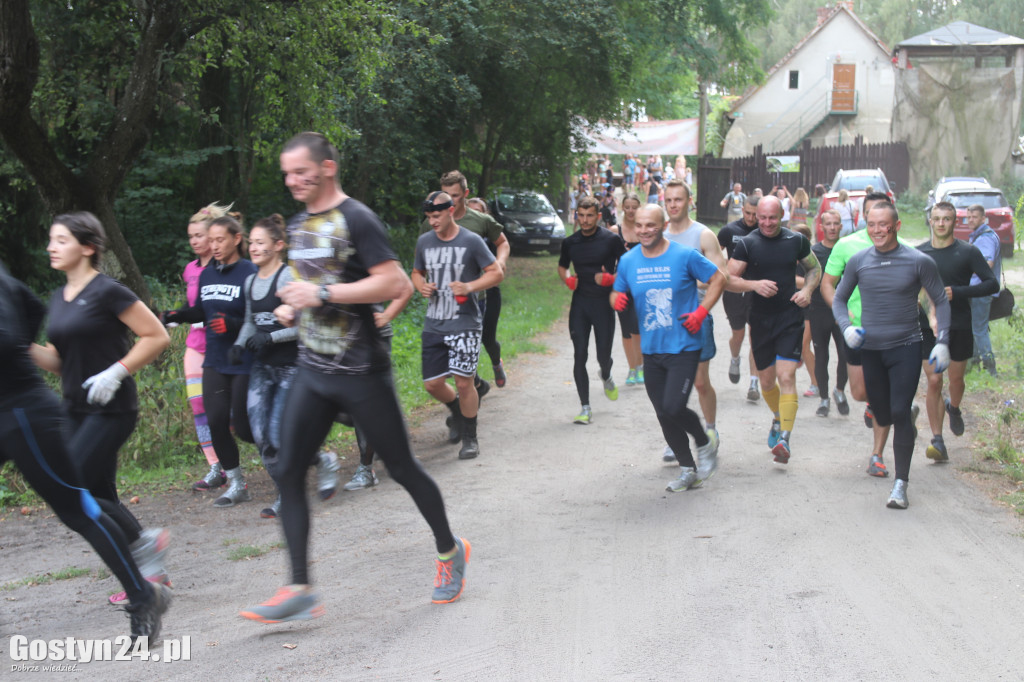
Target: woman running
x,y
221,306
89,320
627,318
195,343
30,436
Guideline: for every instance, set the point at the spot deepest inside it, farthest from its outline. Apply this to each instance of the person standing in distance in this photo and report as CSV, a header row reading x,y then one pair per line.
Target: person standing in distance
x,y
593,254
890,275
733,201
987,241
342,265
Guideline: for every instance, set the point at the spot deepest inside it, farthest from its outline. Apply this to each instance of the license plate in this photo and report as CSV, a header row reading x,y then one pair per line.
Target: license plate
x,y
540,241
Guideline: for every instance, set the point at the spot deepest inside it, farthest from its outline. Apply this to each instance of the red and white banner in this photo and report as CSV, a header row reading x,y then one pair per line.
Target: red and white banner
x,y
646,137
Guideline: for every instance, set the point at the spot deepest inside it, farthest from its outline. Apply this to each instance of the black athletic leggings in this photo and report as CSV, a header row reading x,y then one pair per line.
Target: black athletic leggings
x,y
587,312
93,443
824,327
890,377
492,311
669,380
31,437
224,396
370,400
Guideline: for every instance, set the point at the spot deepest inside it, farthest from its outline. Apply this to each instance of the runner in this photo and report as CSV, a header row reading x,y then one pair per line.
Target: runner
x,y
737,304
221,306
764,262
31,423
492,301
958,263
662,277
343,264
195,342
824,327
693,235
451,264
627,318
89,320
592,253
890,275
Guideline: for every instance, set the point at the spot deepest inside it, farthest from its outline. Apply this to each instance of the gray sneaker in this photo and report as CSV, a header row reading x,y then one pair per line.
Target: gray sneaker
x,y
146,617
734,370
841,404
363,478
450,579
273,511
753,393
237,490
707,456
688,479
213,479
823,408
327,475
898,496
290,603
668,455
150,551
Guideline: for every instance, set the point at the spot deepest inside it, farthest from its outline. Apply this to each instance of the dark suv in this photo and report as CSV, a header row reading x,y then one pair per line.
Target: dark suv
x,y
529,220
854,182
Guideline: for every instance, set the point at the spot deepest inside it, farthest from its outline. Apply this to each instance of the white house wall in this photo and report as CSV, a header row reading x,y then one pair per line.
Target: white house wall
x,y
775,112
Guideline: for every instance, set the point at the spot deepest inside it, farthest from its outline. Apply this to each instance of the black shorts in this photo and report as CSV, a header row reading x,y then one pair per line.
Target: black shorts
x,y
444,354
774,338
628,323
737,308
852,355
961,343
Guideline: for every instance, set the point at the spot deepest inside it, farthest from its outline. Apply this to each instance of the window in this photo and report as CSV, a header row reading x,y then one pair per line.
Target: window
x,y
794,80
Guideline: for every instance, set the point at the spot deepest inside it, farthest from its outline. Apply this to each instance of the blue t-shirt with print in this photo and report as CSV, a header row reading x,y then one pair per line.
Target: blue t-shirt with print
x,y
663,288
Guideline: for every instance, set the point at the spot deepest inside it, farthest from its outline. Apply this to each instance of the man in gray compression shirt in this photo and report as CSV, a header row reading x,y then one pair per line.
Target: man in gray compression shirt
x,y
890,275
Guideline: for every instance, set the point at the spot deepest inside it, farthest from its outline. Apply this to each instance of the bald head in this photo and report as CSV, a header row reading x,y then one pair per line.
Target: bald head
x,y
769,215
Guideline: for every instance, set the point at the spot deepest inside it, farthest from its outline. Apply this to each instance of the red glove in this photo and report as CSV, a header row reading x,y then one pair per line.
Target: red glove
x,y
461,299
222,324
607,279
693,321
621,301
571,282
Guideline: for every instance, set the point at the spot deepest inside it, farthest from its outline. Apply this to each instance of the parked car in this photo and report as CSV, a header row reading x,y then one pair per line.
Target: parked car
x,y
854,182
529,220
964,192
944,185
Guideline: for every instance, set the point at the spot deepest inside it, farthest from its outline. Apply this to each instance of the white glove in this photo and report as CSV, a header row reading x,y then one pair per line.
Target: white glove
x,y
104,385
854,337
939,359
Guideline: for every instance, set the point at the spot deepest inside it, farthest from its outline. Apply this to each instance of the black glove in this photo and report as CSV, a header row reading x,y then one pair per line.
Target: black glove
x,y
224,324
169,317
258,340
235,355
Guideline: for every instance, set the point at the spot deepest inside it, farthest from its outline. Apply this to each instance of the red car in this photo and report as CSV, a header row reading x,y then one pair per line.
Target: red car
x,y
854,182
997,212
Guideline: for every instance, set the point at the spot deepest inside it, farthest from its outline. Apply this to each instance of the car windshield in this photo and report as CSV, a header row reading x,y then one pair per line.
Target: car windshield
x,y
858,183
523,203
986,199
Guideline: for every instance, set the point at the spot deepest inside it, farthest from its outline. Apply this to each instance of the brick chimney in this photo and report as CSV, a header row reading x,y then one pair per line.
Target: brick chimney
x,y
823,14
848,4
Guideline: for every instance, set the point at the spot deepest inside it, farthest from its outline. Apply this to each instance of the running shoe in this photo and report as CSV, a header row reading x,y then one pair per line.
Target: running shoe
x,y
450,579
237,492
327,469
869,416
121,597
214,478
291,602
773,433
364,477
610,389
146,617
687,479
470,447
811,392
937,450
482,389
823,408
454,425
898,496
914,412
584,416
707,456
956,419
781,449
876,467
631,378
640,375
499,374
734,370
841,404
273,511
668,456
753,393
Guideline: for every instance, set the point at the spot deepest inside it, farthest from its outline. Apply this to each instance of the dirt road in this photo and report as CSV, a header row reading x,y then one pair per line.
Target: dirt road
x,y
583,567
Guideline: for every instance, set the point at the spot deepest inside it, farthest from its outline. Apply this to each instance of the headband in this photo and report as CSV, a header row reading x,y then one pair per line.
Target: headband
x,y
431,207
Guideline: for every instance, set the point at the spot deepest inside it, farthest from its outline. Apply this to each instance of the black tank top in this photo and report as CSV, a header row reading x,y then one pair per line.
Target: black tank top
x,y
274,354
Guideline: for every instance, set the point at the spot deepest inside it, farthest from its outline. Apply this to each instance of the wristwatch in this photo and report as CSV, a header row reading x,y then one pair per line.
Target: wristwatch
x,y
324,294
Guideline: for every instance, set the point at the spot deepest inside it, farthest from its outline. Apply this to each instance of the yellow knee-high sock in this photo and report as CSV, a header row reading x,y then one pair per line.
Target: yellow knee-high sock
x,y
771,398
787,410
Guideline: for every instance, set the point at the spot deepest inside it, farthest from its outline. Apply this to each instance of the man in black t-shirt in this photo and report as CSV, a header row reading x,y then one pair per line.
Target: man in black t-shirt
x,y
764,262
593,253
957,261
342,266
737,304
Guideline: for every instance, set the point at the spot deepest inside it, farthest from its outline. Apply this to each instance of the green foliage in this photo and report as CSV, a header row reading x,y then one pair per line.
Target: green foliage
x,y
45,578
247,552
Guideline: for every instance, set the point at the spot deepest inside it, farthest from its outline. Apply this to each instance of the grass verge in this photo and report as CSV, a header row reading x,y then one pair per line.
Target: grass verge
x,y
46,578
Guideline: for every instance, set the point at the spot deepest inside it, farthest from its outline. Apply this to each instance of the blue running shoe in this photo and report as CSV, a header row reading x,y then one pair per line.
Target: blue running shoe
x,y
781,449
773,433
631,378
451,574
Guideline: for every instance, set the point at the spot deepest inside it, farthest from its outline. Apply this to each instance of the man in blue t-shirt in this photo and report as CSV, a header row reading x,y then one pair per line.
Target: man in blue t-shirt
x,y
662,278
